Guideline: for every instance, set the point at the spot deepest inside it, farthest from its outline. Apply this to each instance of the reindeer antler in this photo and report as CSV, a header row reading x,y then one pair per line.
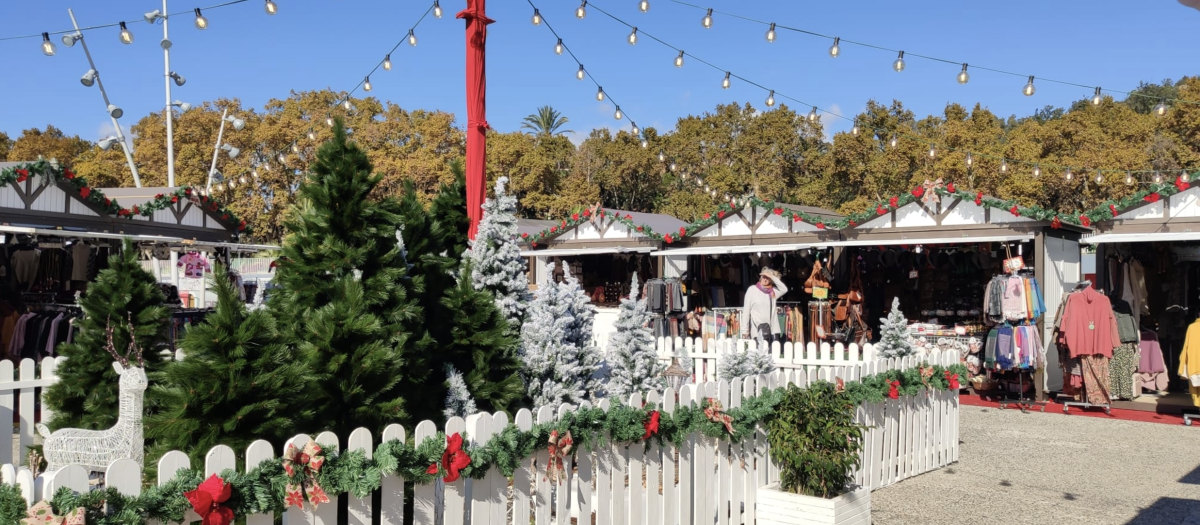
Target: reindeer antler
x,y
134,350
108,334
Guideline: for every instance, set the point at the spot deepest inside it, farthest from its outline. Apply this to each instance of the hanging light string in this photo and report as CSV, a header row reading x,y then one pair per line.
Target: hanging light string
x,y
815,111
776,25
385,62
188,11
601,94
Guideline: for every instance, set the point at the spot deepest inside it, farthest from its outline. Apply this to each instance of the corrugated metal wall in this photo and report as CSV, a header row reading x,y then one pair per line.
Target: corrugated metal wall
x,y
1061,266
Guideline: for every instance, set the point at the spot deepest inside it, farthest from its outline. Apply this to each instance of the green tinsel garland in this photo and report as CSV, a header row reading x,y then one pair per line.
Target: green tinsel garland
x,y
262,489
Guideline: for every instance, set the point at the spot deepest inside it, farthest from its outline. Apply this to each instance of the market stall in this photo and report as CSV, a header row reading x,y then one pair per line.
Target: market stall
x,y
1146,259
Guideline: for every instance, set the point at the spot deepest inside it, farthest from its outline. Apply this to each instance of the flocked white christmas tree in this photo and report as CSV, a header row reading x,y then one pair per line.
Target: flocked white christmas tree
x,y
496,262
632,357
756,360
893,334
559,363
458,397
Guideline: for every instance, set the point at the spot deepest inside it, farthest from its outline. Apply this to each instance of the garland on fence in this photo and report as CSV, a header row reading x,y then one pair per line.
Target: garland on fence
x,y
276,484
55,173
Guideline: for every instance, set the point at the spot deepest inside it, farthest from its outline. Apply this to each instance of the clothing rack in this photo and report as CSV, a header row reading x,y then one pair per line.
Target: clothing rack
x,y
1070,400
1025,404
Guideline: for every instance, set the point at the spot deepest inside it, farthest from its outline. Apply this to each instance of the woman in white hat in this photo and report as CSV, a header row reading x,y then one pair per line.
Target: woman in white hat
x,y
759,319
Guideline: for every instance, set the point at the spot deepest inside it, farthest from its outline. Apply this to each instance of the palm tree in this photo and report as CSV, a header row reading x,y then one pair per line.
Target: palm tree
x,y
546,122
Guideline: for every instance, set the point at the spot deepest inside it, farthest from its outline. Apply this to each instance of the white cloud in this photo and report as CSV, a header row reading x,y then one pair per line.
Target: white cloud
x,y
829,120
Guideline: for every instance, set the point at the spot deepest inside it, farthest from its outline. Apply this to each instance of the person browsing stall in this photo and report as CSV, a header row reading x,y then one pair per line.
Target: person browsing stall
x,y
758,311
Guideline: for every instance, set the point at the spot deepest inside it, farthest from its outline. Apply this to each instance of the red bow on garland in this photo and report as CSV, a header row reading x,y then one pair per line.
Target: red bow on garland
x,y
979,199
952,379
1181,184
715,413
1055,223
559,448
1153,197
926,375
207,501
652,424
454,459
894,390
840,386
307,463
894,202
43,514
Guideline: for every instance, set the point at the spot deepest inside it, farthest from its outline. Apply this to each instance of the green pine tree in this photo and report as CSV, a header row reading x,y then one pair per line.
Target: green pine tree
x,y
481,345
85,395
237,382
347,302
448,213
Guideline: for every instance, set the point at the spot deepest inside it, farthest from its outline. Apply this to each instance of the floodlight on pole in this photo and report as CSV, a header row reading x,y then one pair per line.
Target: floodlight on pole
x,y
89,78
106,143
114,111
230,150
238,123
179,80
183,106
69,40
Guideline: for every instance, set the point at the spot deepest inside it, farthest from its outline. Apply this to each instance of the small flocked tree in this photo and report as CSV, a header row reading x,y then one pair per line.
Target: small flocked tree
x,y
756,360
496,257
632,357
458,397
893,334
85,395
556,369
236,384
580,333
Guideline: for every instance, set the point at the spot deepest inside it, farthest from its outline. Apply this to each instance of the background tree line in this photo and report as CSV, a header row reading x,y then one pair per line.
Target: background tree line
x,y
734,149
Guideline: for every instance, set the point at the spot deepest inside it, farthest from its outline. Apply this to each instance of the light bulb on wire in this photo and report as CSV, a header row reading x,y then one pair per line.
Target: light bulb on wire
x,y
707,20
771,33
387,62
581,11
1068,175
617,114
1158,178
537,18
635,131
47,45
270,7
671,167
632,37
1185,177
679,60
893,142
836,48
600,95
1099,177
1161,108
558,47
437,9
1003,166
126,35
201,22
970,160
963,77
854,129
311,134
812,115
645,144
771,98
932,151
347,105
898,65
1037,171
1096,99
329,121
579,74
367,84
644,5
412,38
725,83
661,157
1028,89
1129,178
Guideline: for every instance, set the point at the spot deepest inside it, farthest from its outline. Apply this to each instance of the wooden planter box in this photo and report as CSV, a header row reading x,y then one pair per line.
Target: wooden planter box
x,y
776,507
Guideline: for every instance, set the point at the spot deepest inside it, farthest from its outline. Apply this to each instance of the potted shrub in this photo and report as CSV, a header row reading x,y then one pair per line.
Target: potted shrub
x,y
816,443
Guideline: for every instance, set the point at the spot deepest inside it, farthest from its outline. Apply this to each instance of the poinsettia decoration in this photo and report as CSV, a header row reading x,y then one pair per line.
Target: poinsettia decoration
x,y
208,500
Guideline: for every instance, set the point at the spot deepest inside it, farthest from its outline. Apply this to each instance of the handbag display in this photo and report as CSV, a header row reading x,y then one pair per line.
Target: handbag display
x,y
1012,264
817,281
855,294
841,309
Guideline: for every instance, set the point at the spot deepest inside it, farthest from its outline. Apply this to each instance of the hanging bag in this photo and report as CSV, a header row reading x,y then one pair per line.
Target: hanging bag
x,y
855,295
1012,264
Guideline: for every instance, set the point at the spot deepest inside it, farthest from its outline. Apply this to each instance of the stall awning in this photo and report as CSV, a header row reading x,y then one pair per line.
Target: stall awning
x,y
563,252
1140,237
85,234
934,240
753,248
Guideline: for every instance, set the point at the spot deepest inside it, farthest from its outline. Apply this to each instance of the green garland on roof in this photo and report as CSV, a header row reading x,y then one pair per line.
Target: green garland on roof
x,y
262,489
55,173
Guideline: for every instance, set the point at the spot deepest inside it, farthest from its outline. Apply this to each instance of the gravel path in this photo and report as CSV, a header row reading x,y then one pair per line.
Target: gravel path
x,y
1047,468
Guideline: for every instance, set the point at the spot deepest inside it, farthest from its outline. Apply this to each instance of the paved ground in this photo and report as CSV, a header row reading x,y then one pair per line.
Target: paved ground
x,y
1048,468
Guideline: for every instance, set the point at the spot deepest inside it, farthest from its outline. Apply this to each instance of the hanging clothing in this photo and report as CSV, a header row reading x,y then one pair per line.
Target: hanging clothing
x,y
81,258
1121,370
194,265
24,262
1096,381
1135,290
1088,324
1189,360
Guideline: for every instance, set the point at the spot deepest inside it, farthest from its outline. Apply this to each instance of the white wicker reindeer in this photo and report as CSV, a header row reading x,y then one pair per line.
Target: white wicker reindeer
x,y
96,449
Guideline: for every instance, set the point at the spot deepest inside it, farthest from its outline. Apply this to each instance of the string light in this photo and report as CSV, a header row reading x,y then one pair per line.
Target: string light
x,y
1003,165
635,129
963,77
387,62
242,179
1158,178
271,7
854,129
1096,98
812,115
412,38
1161,108
932,151
201,22
893,143
1068,175
671,167
644,5
771,98
1128,178
347,105
633,37
679,60
437,9
367,84
661,157
295,148
1184,176
254,173
579,74
311,135
1037,171
771,33
1099,176
707,20
970,160
1028,89
328,121
282,159
600,95
47,45
581,11
725,83
537,18
617,113
898,65
558,48
836,48
645,143
126,35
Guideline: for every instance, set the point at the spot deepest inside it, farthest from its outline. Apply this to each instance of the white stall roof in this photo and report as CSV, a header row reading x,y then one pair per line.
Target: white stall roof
x,y
563,252
934,240
754,248
1140,237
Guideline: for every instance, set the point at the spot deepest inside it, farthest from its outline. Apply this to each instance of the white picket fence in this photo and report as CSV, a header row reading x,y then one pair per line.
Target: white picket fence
x,y
21,408
705,354
703,481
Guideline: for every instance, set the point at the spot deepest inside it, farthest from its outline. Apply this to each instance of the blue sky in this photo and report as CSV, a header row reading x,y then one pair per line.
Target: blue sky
x,y
314,44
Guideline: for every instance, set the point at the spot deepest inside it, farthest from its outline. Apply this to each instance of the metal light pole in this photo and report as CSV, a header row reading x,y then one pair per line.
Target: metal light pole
x,y
166,45
216,149
137,180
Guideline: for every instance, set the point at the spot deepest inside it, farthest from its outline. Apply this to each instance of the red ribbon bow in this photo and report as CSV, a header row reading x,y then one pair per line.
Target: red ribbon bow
x,y
1085,221
68,174
952,379
795,218
894,390
1113,209
305,463
979,199
715,413
880,210
720,215
85,191
1014,210
682,231
820,226
652,424
707,216
574,216
950,187
207,501
778,211
666,238
894,202
454,459
1153,197
1181,185
1055,223
559,448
